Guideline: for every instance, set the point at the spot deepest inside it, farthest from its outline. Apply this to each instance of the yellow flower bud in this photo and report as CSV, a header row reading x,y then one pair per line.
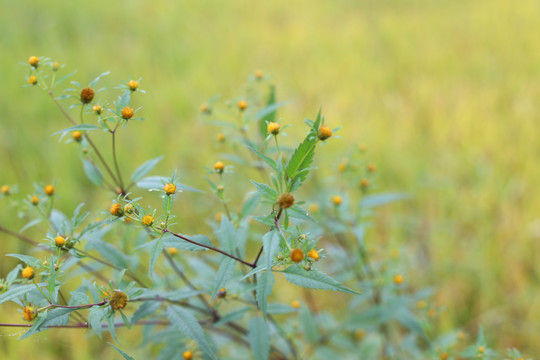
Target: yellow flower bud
x,y
77,135
32,80
219,167
169,189
337,200
33,61
127,113
148,220
242,105
133,85
28,273
273,128
324,133
59,241
116,210
314,254
49,190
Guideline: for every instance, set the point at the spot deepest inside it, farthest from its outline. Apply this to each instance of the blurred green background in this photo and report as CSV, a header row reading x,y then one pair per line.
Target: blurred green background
x,y
443,93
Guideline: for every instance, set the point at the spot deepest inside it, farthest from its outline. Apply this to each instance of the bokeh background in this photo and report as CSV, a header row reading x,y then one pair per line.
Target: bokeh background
x,y
443,93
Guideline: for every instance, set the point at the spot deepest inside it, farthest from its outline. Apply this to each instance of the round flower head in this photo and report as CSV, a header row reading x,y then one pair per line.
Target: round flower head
x,y
219,167
118,300
116,210
242,105
35,200
295,304
49,190
87,95
148,220
314,254
5,189
187,355
205,109
29,313
28,273
220,137
273,128
285,200
59,241
398,279
127,113
337,200
362,148
33,61
342,167
97,109
32,80
259,74
55,66
222,293
133,85
371,168
324,133
169,189
128,208
297,255
172,251
364,184
77,135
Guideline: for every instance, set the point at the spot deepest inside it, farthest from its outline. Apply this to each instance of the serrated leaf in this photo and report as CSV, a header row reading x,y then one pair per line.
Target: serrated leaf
x,y
250,205
265,284
226,234
123,101
30,224
314,279
144,169
17,291
95,81
80,127
298,166
275,308
93,173
298,213
270,246
54,317
224,273
52,277
156,250
109,252
187,324
12,275
63,78
95,318
234,315
126,356
265,190
27,259
259,338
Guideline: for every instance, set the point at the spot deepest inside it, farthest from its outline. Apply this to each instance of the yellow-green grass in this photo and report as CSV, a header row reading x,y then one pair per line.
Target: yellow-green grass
x,y
443,93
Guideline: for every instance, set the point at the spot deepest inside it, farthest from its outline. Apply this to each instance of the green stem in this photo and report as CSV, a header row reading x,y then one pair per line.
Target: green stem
x,y
42,293
116,160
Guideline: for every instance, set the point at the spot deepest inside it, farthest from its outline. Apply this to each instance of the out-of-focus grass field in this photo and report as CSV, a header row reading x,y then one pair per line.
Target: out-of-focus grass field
x,y
444,93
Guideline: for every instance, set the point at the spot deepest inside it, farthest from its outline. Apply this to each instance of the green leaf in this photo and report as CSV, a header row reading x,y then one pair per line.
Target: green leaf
x,y
234,315
30,224
307,320
145,169
126,356
250,205
111,327
110,252
17,291
259,338
80,127
54,317
224,273
27,259
94,82
266,159
271,246
314,279
226,234
93,173
147,308
299,165
267,115
123,101
187,324
63,78
371,201
265,284
266,191
95,318
52,277
157,248
298,213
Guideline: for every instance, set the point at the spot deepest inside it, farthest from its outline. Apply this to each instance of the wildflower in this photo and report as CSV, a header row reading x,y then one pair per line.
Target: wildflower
x,y
313,208
33,61
421,304
128,208
259,74
371,168
297,255
205,109
222,293
324,133
219,167
242,105
35,200
28,273
133,85
219,216
5,189
169,189
342,167
55,66
314,254
359,334
32,80
49,190
187,355
443,356
29,313
295,304
481,349
127,113
97,109
148,220
116,210
77,136
432,312
172,251
398,279
285,200
364,184
59,241
118,300
362,148
220,137
87,95
273,128
337,200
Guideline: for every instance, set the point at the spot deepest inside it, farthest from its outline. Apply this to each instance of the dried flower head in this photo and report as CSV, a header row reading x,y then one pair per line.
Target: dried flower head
x,y
118,300
297,255
87,95
285,200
